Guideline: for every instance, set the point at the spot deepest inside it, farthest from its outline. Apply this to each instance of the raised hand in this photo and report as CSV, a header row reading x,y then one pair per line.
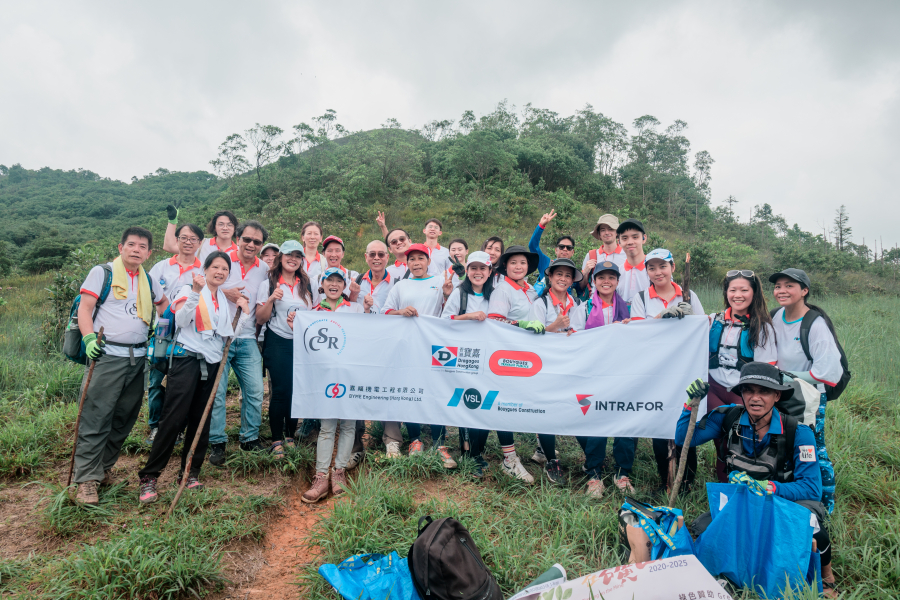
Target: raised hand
x,y
172,211
448,284
561,323
198,282
354,287
547,218
379,220
276,295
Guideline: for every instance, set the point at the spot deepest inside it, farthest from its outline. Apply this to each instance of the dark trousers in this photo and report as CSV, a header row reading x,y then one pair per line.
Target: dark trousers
x,y
278,353
186,398
547,443
595,454
719,396
477,439
661,453
438,432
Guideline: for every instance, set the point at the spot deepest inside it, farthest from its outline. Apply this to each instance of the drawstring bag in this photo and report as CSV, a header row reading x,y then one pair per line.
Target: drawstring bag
x,y
763,542
660,523
371,577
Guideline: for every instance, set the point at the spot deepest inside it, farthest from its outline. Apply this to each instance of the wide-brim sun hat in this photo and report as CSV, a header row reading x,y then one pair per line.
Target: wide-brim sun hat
x,y
565,262
512,251
764,375
611,220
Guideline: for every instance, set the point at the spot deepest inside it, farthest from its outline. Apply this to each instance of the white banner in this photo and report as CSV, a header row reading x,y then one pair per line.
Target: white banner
x,y
617,380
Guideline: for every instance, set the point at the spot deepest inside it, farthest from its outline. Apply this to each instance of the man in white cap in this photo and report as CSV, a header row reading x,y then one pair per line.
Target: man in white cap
x,y
609,250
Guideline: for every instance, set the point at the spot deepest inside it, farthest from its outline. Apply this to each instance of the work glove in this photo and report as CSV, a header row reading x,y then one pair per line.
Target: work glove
x,y
458,268
678,311
93,347
172,212
532,326
698,389
758,487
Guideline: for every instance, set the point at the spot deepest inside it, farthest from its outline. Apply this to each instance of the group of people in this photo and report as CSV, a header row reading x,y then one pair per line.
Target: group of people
x,y
233,269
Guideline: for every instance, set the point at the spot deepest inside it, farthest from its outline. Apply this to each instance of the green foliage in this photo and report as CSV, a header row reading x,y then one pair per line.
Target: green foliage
x,y
45,254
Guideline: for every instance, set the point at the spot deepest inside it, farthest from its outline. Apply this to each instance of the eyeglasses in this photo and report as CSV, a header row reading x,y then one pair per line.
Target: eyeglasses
x,y
398,240
250,240
376,254
565,247
188,240
743,272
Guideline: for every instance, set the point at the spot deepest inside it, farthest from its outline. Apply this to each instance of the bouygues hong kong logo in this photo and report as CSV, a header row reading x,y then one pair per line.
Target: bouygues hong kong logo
x,y
335,390
512,363
583,402
324,336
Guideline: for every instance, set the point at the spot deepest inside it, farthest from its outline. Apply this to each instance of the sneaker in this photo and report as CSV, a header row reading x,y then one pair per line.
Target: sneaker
x,y
148,490
252,446
338,481
179,439
554,472
107,478
416,446
193,481
480,466
277,450
152,436
318,490
595,488
289,443
393,450
513,466
355,459
449,463
624,484
539,457
87,493
217,455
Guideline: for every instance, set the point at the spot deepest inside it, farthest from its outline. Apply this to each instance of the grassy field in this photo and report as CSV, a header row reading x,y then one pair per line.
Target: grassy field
x,y
50,548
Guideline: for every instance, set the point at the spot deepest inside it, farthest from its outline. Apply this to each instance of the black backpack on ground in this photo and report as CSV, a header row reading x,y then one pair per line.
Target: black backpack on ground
x,y
445,563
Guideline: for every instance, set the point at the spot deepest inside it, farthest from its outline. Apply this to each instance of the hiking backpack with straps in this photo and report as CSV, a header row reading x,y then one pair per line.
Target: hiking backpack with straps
x,y
744,348
831,393
775,463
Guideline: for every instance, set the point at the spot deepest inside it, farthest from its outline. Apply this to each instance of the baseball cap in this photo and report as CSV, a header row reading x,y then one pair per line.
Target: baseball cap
x,y
660,253
288,247
565,262
606,219
332,238
479,257
606,266
797,275
272,246
334,271
631,224
419,248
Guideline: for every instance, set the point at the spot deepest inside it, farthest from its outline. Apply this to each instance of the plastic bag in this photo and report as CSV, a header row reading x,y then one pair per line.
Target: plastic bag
x,y
371,577
660,523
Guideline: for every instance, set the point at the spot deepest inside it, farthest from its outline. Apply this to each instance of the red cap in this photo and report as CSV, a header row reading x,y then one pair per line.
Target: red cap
x,y
332,238
419,248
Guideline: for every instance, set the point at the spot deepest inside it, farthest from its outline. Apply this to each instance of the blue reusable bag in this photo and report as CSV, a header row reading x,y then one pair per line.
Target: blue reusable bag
x,y
762,542
371,577
666,539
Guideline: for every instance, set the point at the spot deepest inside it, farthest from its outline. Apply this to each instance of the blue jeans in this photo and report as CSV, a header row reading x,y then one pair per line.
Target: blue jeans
x,y
246,361
595,453
825,466
156,395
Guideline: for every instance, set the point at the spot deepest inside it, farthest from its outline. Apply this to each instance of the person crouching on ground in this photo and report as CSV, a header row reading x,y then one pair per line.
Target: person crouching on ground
x,y
203,320
750,437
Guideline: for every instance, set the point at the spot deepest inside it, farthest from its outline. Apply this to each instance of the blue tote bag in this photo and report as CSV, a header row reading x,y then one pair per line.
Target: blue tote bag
x,y
762,542
371,577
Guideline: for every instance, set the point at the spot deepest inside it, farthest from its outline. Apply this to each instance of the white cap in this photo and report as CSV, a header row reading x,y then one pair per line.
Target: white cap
x,y
479,257
660,253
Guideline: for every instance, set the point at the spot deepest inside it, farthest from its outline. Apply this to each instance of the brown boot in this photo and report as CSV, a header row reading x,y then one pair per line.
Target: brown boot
x,y
338,481
107,478
318,490
87,493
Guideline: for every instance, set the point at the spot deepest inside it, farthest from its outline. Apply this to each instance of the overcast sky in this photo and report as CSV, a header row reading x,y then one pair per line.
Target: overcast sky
x,y
797,105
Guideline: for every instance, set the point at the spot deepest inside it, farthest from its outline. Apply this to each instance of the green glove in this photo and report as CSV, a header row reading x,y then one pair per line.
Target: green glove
x,y
758,487
698,389
533,326
92,346
172,212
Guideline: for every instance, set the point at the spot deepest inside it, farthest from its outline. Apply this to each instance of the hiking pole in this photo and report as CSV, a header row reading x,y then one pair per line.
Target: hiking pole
x,y
87,382
209,403
682,464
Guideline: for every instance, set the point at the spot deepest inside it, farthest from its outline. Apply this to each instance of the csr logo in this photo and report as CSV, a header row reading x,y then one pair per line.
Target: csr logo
x,y
472,399
324,335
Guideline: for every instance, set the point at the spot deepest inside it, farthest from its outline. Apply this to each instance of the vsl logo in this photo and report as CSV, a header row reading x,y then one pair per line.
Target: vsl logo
x,y
510,363
326,335
583,402
335,390
472,399
444,356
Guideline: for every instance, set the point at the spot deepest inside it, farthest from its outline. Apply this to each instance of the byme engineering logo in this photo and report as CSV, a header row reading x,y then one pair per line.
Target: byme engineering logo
x,y
472,399
335,390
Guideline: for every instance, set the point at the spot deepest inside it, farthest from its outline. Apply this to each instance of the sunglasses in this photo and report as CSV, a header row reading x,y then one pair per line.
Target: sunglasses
x,y
250,240
398,240
565,246
376,254
743,272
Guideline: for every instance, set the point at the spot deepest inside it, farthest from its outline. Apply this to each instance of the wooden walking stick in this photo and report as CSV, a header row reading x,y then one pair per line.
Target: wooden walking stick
x,y
209,403
87,382
694,403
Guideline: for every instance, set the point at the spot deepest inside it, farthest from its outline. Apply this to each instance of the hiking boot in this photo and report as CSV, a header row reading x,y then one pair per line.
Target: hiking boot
x,y
480,466
148,493
107,478
355,459
217,455
87,493
624,484
289,443
318,490
193,481
595,488
416,447
539,457
252,446
554,472
338,481
150,438
449,463
513,466
393,450
277,450
179,439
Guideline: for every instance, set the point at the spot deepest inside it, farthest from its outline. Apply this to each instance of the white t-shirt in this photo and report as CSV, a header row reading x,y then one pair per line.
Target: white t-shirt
x,y
290,302
172,276
398,270
617,256
510,301
731,337
119,318
208,246
547,312
474,303
314,266
425,295
826,364
631,281
250,279
656,305
379,294
440,260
